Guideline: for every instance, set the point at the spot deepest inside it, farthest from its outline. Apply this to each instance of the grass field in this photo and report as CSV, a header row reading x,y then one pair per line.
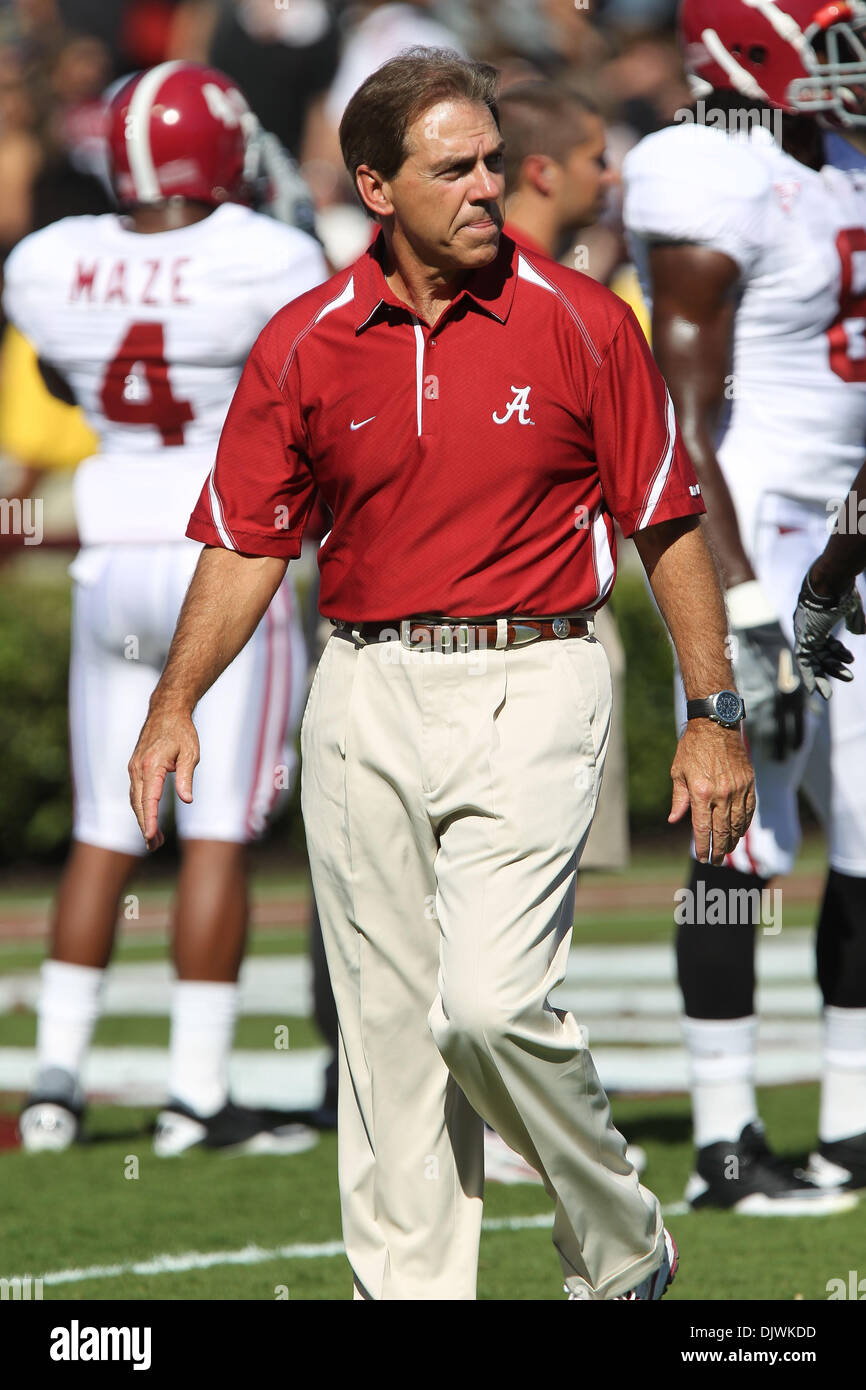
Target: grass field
x,y
110,1221
63,1216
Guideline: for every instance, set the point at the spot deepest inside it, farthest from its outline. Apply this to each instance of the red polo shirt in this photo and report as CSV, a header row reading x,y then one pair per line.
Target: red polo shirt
x,y
474,468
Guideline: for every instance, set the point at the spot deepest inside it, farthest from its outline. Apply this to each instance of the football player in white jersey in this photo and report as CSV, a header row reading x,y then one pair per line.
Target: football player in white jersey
x,y
753,252
146,319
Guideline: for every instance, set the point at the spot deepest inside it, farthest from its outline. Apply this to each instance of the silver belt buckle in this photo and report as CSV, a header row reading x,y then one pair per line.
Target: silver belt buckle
x,y
524,634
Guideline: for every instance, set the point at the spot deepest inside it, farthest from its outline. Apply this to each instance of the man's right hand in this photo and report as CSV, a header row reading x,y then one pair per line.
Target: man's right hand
x,y
167,743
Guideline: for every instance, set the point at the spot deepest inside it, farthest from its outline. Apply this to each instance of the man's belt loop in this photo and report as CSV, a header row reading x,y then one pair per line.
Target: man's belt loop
x,y
501,634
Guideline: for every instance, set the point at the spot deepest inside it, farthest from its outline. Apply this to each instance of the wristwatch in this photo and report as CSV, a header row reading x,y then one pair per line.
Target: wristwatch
x,y
725,708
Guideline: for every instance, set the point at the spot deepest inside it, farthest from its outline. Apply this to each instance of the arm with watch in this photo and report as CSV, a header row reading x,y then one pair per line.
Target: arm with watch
x,y
711,772
694,307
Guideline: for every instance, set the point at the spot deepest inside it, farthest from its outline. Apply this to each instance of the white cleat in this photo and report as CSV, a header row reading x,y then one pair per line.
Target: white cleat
x,y
175,1133
47,1126
656,1285
649,1290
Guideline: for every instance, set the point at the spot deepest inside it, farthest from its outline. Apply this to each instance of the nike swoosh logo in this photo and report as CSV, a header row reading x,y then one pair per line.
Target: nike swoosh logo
x,y
353,426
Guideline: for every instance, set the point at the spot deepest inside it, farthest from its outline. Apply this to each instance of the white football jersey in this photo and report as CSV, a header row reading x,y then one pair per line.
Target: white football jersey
x,y
152,332
797,418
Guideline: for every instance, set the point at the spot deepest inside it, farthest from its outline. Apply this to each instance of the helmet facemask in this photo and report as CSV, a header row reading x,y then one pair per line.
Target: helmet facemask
x,y
835,56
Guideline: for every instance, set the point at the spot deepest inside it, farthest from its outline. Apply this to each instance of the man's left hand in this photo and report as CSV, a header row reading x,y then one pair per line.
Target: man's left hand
x,y
711,773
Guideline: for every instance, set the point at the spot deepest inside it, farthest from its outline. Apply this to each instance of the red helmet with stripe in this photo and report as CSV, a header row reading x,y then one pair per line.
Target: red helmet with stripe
x,y
178,130
799,55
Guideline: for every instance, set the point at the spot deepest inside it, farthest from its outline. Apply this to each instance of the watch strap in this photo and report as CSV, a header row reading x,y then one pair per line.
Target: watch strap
x,y
700,709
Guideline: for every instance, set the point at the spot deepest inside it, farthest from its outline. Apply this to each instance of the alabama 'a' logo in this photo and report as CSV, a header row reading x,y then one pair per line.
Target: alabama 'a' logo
x,y
518,405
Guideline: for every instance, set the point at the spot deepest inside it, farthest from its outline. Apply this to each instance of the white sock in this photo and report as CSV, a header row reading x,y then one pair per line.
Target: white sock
x,y
202,1027
69,1003
843,1088
722,1062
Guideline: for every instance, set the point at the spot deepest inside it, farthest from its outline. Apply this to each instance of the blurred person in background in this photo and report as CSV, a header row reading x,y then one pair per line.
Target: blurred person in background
x,y
21,148
78,73
376,32
283,56
556,171
41,181
44,92
751,249
146,317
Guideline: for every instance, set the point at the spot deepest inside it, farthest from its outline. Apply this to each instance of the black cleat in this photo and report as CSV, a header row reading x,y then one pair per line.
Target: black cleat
x,y
748,1178
841,1163
234,1129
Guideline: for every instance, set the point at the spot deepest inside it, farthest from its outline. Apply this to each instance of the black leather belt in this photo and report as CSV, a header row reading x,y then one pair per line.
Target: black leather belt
x,y
450,634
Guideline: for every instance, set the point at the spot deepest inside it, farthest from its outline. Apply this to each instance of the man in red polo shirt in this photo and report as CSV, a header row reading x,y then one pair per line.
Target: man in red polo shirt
x,y
474,420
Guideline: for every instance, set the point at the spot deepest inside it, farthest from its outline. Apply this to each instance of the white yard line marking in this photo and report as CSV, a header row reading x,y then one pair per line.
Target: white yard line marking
x,y
256,1254
600,979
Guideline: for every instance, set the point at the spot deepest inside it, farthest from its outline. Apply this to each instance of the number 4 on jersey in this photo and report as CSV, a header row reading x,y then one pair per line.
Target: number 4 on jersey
x,y
136,389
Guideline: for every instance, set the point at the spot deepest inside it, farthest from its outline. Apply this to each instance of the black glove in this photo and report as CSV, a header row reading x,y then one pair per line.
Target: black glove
x,y
819,654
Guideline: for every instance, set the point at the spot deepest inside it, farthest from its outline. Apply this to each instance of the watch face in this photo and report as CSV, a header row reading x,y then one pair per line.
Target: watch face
x,y
728,706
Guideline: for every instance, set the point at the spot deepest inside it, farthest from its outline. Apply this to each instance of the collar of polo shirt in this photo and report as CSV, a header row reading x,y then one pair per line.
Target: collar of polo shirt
x,y
491,288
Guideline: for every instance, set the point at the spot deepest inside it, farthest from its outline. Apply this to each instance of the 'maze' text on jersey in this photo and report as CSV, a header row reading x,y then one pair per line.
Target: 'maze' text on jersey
x,y
149,281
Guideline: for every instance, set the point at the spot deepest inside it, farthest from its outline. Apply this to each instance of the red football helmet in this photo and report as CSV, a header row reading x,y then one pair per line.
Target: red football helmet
x,y
799,55
179,130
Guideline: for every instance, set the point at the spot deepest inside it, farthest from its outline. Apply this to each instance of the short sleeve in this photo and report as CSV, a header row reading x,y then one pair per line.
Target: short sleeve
x,y
697,185
21,297
260,492
646,474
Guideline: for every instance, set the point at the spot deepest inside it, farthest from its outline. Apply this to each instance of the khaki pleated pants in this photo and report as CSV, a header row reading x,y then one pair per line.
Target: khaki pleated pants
x,y
447,798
